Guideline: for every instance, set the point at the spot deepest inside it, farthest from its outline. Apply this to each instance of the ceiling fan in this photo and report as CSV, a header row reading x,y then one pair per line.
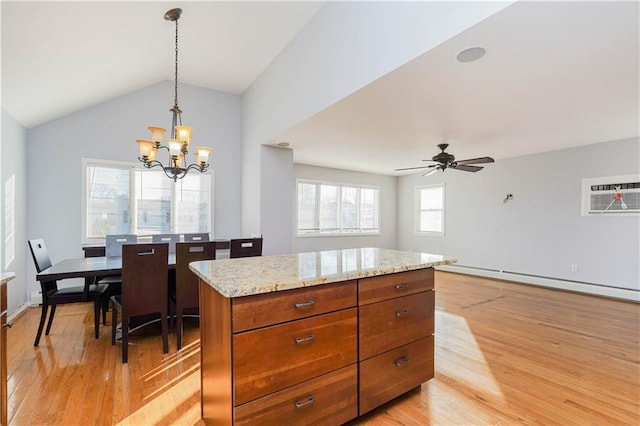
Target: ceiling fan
x,y
445,160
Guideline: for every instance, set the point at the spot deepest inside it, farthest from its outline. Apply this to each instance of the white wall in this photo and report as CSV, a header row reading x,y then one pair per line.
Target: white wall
x,y
388,210
344,47
278,191
14,163
109,131
541,231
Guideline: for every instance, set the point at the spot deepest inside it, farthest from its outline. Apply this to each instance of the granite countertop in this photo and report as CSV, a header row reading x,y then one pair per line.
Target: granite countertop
x,y
5,277
265,274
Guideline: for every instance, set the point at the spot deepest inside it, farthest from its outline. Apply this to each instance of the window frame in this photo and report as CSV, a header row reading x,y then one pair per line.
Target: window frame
x,y
340,232
131,167
418,210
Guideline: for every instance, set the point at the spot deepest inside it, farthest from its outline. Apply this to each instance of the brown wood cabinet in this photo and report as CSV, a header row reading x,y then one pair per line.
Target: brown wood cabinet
x,y
3,354
396,325
316,355
5,278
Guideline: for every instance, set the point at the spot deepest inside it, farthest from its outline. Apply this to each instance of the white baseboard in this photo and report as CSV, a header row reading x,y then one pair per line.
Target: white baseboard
x,y
13,315
579,287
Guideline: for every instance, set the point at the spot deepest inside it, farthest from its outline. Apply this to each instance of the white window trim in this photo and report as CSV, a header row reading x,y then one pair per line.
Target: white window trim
x,y
339,207
133,218
416,209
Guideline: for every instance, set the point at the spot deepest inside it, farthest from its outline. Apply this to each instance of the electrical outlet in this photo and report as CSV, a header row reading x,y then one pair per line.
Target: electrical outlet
x,y
574,268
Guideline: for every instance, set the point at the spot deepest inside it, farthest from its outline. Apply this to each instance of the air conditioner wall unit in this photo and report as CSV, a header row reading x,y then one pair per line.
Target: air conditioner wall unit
x,y
611,196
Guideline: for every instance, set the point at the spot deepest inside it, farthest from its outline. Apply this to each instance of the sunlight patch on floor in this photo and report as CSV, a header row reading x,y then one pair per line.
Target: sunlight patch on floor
x,y
459,358
176,398
163,405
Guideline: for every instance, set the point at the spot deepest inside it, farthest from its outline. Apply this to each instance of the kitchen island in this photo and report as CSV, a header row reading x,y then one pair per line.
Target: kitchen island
x,y
319,337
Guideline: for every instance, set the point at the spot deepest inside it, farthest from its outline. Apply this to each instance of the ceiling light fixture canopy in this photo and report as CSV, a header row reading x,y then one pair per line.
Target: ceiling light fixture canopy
x,y
178,144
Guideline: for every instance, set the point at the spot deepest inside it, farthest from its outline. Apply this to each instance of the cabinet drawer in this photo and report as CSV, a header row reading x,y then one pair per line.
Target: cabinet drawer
x,y
272,358
328,399
375,289
395,322
393,373
273,308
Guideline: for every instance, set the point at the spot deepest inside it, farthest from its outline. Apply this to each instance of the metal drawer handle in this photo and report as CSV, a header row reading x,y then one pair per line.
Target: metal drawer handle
x,y
401,361
402,313
304,305
300,340
302,403
402,286
8,325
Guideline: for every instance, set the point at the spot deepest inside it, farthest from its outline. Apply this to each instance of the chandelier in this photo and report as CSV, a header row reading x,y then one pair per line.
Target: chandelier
x,y
178,144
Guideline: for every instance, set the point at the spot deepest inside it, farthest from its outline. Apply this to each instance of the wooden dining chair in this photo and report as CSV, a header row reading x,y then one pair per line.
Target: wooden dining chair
x,y
186,297
196,237
145,270
52,296
170,239
114,243
113,248
245,247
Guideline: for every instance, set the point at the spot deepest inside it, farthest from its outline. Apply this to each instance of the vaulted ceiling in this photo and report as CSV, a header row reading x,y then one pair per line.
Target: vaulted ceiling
x,y
555,75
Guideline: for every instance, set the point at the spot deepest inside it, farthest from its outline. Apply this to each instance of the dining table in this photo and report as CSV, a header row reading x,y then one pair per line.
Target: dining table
x,y
91,269
88,267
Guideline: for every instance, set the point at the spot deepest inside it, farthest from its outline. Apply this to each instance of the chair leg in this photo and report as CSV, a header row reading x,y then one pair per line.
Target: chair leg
x,y
125,340
97,303
172,316
179,328
105,308
165,332
114,321
53,312
43,316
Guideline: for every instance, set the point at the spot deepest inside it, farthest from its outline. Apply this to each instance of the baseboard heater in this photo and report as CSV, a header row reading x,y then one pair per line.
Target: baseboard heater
x,y
576,286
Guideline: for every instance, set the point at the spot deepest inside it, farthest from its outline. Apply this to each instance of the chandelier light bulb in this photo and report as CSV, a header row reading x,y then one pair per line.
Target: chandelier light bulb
x,y
179,160
202,154
157,133
146,147
183,133
174,147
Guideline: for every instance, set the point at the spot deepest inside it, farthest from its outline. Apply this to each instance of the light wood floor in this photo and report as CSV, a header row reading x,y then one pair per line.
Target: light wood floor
x,y
505,354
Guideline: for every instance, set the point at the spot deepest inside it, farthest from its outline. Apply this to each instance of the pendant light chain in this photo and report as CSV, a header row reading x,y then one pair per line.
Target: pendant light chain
x,y
175,102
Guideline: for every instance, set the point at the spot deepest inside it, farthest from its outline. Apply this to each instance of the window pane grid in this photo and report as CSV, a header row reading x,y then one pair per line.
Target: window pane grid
x,y
333,209
123,200
430,209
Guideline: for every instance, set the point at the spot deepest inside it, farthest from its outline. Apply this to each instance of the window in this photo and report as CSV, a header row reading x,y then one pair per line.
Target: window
x,y
9,221
336,209
125,199
430,209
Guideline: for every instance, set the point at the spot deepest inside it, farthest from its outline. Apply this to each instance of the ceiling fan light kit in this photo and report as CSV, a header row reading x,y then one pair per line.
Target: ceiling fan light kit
x,y
444,160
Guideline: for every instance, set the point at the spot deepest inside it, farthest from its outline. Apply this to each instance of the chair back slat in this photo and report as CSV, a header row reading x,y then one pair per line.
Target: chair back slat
x,y
40,254
187,292
114,243
245,247
170,239
196,237
145,270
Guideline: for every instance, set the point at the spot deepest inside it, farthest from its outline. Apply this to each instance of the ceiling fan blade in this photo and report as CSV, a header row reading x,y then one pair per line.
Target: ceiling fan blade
x,y
414,168
466,168
475,161
430,172
435,163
